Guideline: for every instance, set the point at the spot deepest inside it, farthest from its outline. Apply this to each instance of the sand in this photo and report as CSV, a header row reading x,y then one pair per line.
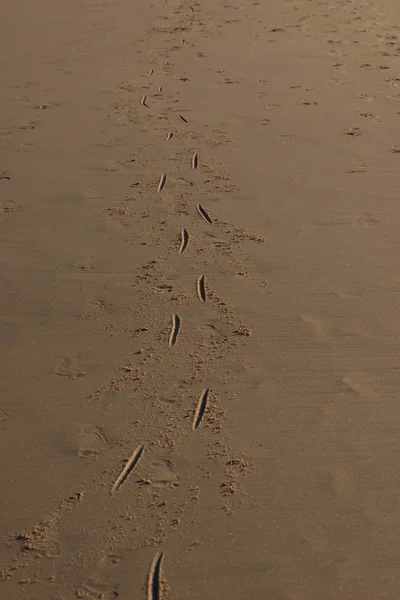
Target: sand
x,y
199,296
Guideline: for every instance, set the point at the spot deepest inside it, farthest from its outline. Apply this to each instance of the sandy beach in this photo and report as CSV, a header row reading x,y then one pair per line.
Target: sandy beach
x,y
200,342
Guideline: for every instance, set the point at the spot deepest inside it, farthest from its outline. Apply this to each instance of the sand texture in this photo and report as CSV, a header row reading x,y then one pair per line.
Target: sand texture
x,y
200,286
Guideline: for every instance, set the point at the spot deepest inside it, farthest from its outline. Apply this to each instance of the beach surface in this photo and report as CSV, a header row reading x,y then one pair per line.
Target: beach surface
x,y
200,290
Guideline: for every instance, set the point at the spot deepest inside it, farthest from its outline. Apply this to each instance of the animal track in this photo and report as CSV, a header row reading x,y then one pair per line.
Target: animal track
x,y
170,135
127,470
154,583
195,161
162,183
182,118
143,101
184,241
204,214
200,409
201,288
176,325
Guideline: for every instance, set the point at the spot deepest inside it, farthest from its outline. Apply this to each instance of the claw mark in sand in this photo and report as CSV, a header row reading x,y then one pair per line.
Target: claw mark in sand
x,y
162,182
182,118
200,409
176,325
154,583
204,213
170,136
150,72
160,89
143,101
128,468
184,241
201,288
195,161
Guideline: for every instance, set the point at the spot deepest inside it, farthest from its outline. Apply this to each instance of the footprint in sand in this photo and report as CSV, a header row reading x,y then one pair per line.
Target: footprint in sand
x,y
111,166
40,540
209,333
94,307
366,98
68,367
171,400
9,207
164,288
84,263
162,474
94,588
91,440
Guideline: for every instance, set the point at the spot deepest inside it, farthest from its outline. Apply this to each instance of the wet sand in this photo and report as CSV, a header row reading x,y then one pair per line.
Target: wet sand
x,y
199,213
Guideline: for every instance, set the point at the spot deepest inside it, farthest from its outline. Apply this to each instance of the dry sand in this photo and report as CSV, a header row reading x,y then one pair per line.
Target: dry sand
x,y
166,435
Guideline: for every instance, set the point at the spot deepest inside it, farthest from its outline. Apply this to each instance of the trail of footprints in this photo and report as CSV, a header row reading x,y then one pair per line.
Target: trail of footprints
x,y
155,577
155,583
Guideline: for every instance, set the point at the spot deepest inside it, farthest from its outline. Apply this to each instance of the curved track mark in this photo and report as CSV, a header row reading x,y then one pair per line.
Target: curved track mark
x,y
201,288
204,214
184,240
154,582
128,468
176,325
162,182
200,409
195,161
